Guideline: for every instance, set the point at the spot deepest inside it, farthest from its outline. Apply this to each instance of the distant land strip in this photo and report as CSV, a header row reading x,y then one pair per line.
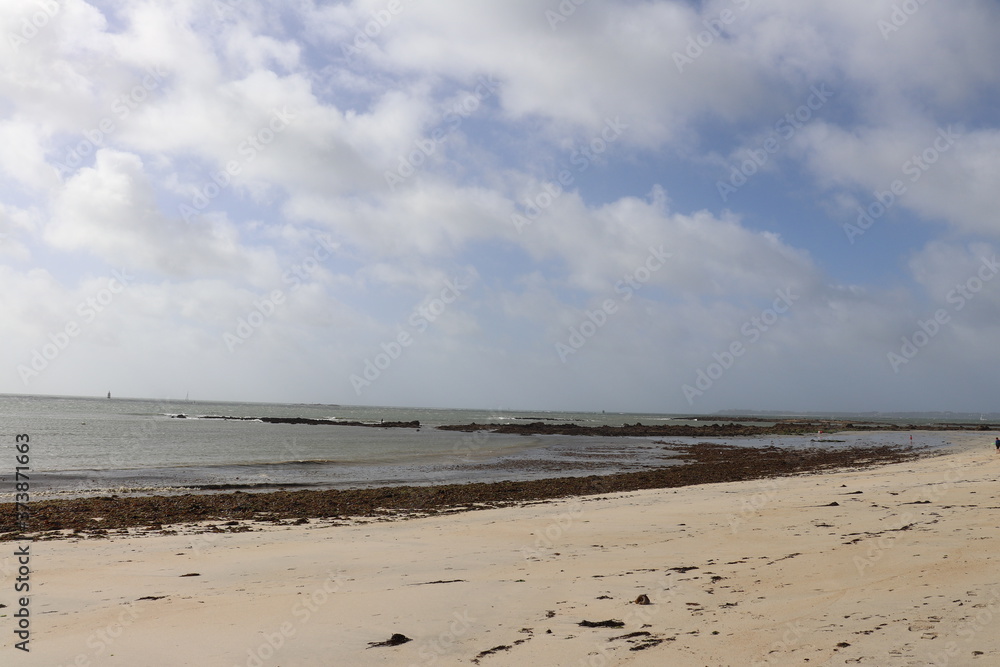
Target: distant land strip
x,y
305,420
736,426
731,429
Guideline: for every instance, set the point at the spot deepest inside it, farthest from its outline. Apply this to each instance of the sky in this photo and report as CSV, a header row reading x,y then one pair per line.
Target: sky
x,y
664,206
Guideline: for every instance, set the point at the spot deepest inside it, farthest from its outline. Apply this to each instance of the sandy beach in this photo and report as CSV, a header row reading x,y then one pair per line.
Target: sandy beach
x,y
885,566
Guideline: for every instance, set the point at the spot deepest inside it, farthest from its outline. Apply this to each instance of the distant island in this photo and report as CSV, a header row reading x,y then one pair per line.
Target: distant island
x,y
312,422
731,429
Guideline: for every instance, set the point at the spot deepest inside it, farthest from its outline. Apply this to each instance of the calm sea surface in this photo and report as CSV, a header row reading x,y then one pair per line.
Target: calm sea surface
x,y
99,446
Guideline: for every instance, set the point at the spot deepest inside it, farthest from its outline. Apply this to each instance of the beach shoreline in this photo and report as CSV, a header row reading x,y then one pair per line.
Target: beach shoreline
x,y
124,447
888,565
701,463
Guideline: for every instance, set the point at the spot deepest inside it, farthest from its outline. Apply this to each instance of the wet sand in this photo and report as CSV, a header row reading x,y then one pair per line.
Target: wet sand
x,y
702,463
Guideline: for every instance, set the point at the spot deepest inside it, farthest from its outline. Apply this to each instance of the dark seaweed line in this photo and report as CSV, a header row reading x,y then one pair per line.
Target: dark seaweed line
x,y
706,464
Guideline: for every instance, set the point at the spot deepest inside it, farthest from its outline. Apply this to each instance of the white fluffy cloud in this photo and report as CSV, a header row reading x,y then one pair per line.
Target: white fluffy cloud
x,y
342,162
110,210
943,173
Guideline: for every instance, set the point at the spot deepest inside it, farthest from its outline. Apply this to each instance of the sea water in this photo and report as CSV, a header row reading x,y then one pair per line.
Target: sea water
x,y
101,446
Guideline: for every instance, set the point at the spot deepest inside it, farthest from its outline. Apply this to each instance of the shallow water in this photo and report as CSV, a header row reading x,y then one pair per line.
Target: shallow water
x,y
88,446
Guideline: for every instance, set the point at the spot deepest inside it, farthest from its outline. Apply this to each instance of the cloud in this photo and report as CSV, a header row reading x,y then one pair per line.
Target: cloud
x,y
211,148
16,226
23,158
942,173
709,256
110,210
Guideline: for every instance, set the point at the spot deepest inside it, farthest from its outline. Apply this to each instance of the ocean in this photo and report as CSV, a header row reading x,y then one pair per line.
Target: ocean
x,y
100,446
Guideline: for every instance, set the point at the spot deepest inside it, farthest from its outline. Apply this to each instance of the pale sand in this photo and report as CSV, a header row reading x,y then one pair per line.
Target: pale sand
x,y
795,579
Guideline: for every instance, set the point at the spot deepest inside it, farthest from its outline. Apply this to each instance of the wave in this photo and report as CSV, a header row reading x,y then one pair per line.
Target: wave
x,y
163,489
102,491
237,464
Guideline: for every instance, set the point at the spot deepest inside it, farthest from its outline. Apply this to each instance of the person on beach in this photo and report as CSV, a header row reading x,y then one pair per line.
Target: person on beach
x,y
997,443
